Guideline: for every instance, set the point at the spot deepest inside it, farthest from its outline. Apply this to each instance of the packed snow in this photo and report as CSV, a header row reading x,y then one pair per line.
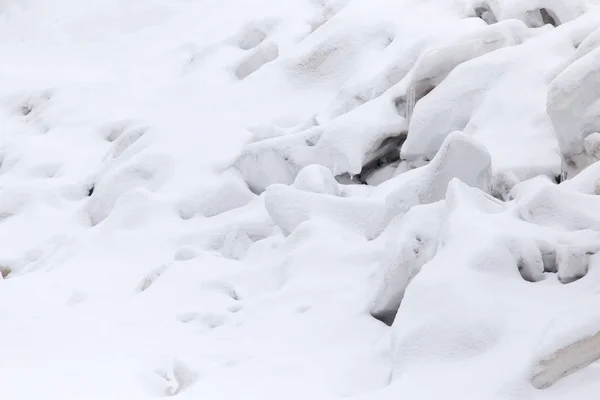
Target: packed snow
x,y
324,199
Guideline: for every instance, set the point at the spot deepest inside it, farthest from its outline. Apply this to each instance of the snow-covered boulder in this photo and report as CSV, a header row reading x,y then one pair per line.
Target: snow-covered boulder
x,y
343,145
409,243
428,184
574,107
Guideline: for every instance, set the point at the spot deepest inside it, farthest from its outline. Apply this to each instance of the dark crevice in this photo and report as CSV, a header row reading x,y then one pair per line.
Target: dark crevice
x,y
388,153
548,17
498,195
91,190
5,271
425,91
541,17
347,179
386,316
400,105
484,12
570,279
254,189
549,260
26,109
524,271
32,103
234,294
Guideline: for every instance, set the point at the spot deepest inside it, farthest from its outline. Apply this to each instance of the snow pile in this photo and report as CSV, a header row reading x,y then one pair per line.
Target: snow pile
x,y
573,106
326,199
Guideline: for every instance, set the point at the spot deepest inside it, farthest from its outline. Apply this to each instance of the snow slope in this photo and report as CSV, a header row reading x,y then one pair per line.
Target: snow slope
x,y
298,199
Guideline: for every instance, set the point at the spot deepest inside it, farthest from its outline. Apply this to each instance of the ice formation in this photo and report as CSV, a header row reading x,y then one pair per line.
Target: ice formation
x,y
324,199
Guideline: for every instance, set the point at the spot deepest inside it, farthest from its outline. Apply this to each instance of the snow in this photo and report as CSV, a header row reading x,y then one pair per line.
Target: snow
x,y
572,109
323,199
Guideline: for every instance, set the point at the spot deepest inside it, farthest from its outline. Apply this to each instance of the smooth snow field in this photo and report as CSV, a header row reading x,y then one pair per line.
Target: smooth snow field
x,y
300,199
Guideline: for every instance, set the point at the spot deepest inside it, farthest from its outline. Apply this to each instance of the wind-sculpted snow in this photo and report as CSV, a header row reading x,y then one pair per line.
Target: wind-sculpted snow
x,y
476,330
369,215
329,199
573,107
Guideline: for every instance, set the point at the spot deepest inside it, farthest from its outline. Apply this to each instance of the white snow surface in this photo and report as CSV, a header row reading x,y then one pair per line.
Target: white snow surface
x,y
299,199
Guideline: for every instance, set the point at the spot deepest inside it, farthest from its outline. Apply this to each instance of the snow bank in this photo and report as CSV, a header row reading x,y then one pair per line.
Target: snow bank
x,y
428,184
505,246
573,107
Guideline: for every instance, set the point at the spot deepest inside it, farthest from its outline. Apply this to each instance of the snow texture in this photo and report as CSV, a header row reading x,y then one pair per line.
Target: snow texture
x,y
300,199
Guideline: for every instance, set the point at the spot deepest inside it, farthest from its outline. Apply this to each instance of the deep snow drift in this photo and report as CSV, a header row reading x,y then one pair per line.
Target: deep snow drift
x,y
324,199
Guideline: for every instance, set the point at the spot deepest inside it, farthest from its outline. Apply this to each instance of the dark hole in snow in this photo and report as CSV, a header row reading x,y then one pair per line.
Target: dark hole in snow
x,y
426,91
360,99
347,179
386,316
548,17
549,260
387,153
388,40
26,109
234,294
35,101
400,105
525,272
485,13
91,190
541,17
311,142
570,279
254,189
570,163
5,271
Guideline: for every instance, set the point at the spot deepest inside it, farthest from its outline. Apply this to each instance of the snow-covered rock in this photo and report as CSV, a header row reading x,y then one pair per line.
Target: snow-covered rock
x,y
573,106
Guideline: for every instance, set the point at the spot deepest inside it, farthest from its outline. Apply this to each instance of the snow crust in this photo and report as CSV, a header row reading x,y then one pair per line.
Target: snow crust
x,y
322,199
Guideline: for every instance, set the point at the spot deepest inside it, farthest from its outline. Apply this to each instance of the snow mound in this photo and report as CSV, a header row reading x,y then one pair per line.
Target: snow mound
x,y
573,107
